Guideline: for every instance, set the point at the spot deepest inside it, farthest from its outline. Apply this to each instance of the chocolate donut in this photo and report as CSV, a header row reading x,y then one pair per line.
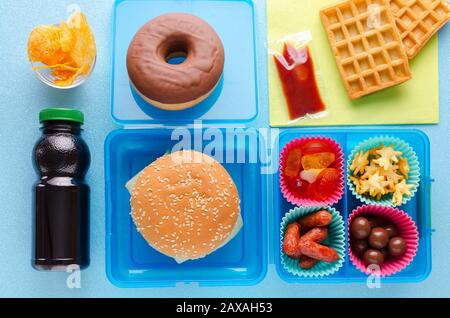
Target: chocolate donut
x,y
175,86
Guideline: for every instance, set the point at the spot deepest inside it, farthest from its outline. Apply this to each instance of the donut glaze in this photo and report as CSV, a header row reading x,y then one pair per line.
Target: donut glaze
x,y
178,86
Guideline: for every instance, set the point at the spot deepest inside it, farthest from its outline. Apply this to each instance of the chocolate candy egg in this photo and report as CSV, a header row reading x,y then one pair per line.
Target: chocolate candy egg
x,y
374,221
372,256
378,238
360,228
397,246
391,230
385,253
359,247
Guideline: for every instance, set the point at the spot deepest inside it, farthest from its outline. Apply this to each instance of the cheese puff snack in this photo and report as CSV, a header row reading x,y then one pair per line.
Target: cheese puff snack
x,y
400,190
381,171
403,166
68,49
360,162
387,156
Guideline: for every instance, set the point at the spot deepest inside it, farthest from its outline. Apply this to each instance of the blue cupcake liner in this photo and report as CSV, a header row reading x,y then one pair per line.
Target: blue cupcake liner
x,y
407,152
335,239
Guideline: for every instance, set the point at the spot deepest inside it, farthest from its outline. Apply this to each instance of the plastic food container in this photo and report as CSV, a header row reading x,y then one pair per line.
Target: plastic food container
x,y
147,133
418,207
235,99
131,262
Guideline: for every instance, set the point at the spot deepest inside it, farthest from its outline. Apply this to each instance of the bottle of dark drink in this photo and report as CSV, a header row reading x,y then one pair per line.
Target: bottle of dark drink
x,y
61,220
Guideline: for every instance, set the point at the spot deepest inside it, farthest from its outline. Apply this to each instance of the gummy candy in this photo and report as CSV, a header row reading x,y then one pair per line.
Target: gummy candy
x,y
68,49
309,170
310,175
319,160
326,183
293,163
299,186
315,146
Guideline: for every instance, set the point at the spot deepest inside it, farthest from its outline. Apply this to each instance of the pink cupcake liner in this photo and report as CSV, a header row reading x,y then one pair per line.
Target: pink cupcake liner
x,y
296,199
407,229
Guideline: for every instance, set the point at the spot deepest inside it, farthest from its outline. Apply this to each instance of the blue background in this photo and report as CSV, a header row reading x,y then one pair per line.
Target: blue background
x,y
22,96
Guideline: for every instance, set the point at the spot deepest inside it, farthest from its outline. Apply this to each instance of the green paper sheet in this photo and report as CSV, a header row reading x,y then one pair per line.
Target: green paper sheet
x,y
414,102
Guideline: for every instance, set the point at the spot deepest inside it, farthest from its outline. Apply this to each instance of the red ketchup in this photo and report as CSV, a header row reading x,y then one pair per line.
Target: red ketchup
x,y
296,71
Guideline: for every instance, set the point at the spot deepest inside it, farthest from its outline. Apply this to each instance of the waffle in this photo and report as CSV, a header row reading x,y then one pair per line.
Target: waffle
x,y
418,20
367,46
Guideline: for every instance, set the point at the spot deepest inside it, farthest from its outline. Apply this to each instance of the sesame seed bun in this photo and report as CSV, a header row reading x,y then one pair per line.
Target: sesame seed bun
x,y
185,205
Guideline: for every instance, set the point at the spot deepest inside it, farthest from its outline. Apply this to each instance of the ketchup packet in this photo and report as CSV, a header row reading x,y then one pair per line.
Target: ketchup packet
x,y
298,76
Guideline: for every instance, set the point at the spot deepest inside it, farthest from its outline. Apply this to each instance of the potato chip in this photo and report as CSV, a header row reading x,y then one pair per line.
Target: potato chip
x,y
62,74
44,45
68,49
68,81
84,52
67,37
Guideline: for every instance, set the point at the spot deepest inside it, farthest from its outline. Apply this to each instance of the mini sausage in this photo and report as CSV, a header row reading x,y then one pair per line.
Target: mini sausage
x,y
318,235
318,251
291,240
307,262
317,219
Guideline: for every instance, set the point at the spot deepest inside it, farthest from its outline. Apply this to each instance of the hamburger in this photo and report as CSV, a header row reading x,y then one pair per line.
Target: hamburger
x,y
185,205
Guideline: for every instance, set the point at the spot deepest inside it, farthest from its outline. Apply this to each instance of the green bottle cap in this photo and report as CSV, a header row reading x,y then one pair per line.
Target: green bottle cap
x,y
61,114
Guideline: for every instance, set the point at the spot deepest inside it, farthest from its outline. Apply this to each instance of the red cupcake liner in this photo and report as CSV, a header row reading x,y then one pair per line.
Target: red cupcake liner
x,y
407,229
298,199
